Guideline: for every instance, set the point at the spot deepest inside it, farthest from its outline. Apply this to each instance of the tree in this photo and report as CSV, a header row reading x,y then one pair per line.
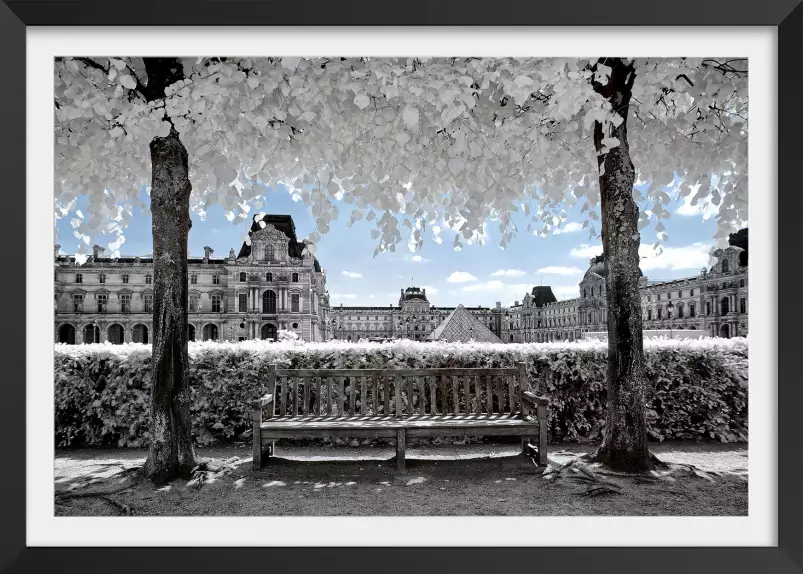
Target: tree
x,y
406,143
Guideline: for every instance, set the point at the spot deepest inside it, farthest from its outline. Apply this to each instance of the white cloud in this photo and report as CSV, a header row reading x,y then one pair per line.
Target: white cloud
x,y
418,259
432,290
508,273
556,270
586,251
562,292
460,277
704,208
344,296
572,227
352,274
692,256
371,296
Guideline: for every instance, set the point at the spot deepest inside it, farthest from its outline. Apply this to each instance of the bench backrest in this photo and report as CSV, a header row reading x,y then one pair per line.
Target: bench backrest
x,y
395,392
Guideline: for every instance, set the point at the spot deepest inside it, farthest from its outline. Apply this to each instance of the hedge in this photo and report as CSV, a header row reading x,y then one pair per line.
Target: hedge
x,y
697,388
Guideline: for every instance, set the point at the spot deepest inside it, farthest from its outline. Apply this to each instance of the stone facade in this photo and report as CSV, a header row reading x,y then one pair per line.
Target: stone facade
x,y
412,318
714,301
273,283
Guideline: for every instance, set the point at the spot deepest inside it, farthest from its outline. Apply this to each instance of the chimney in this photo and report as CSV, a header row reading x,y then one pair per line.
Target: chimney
x,y
425,292
96,251
401,292
56,250
207,252
516,304
498,304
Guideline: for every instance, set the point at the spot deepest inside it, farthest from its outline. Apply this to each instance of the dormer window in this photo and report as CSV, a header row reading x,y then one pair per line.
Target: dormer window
x,y
270,253
724,265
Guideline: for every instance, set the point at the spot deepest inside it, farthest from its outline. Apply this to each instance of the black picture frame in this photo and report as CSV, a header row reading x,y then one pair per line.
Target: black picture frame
x,y
786,15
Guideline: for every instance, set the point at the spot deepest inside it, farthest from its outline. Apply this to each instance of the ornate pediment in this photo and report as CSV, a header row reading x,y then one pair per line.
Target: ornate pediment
x,y
269,233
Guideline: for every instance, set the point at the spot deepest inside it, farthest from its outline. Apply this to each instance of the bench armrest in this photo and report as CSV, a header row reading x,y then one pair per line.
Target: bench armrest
x,y
534,399
262,401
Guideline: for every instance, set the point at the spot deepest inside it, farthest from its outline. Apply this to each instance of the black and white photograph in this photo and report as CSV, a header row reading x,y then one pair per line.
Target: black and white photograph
x,y
401,286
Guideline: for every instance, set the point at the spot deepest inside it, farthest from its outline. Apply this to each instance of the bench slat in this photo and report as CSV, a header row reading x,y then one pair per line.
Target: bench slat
x,y
352,388
341,403
385,381
363,397
397,383
329,395
467,392
489,394
307,384
433,405
422,395
455,397
410,382
511,397
295,396
283,413
391,372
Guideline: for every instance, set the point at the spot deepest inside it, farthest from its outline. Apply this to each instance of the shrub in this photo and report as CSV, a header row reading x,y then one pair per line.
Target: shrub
x,y
697,388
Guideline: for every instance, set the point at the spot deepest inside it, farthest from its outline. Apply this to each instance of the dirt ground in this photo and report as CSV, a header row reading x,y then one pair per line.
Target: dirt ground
x,y
446,480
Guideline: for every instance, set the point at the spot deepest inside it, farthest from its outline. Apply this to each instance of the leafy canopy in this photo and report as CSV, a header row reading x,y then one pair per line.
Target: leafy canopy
x,y
401,142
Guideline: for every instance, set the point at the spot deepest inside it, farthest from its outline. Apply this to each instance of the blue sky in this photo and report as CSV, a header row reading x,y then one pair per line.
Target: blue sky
x,y
476,275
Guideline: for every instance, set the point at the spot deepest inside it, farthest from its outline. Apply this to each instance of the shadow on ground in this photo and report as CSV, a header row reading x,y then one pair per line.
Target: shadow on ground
x,y
469,480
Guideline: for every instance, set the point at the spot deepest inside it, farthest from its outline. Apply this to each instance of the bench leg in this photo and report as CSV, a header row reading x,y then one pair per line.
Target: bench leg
x,y
256,447
542,429
401,448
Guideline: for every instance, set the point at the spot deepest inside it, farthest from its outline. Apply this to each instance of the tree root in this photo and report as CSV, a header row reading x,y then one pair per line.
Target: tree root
x,y
577,472
125,509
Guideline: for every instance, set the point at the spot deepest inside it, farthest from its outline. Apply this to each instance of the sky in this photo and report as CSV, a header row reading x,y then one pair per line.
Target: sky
x,y
478,275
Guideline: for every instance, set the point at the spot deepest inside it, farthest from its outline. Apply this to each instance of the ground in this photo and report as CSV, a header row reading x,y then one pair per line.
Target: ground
x,y
479,480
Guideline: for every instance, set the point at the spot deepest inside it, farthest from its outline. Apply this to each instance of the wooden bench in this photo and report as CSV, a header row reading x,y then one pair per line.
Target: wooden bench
x,y
398,403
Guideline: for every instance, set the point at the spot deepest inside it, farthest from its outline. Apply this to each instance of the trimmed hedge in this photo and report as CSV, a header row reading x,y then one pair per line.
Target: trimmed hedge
x,y
698,388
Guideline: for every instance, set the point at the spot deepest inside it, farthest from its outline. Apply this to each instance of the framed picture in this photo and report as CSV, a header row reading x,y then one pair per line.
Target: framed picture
x,y
282,318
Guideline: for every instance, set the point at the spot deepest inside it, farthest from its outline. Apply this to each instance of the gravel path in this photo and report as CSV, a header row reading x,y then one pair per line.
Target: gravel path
x,y
463,480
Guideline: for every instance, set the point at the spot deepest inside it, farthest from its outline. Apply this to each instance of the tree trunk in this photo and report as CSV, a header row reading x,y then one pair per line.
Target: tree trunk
x,y
171,451
625,444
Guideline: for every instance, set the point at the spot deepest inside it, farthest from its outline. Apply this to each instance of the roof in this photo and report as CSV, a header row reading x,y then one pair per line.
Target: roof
x,y
739,239
462,326
414,293
285,224
542,295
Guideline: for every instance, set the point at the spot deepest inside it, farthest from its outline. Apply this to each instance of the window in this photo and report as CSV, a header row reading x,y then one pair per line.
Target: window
x,y
680,311
242,278
680,294
194,303
125,302
79,278
125,277
724,265
660,312
741,282
692,292
295,325
102,300
215,279
243,302
193,279
295,277
149,303
669,295
742,305
78,303
708,307
585,294
270,253
294,304
269,277
215,303
692,310
148,279
592,290
102,278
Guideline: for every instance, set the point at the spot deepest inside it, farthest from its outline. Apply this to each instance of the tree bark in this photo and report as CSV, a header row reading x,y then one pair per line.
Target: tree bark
x,y
171,451
624,446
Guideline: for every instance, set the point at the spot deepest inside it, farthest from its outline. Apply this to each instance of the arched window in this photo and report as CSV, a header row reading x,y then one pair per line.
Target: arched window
x,y
268,331
724,265
270,253
295,277
680,310
190,332
67,334
210,332
692,310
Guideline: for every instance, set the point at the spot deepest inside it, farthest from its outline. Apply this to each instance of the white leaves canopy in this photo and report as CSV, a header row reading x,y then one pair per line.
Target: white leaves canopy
x,y
402,142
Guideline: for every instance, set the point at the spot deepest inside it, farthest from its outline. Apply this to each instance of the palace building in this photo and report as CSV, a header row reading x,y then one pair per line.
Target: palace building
x,y
273,283
412,318
715,301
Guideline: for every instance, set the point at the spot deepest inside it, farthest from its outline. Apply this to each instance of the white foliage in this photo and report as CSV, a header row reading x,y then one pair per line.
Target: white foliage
x,y
441,139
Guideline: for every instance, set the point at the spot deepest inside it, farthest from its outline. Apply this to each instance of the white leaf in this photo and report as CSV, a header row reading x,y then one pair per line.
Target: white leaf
x,y
410,116
362,100
128,82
